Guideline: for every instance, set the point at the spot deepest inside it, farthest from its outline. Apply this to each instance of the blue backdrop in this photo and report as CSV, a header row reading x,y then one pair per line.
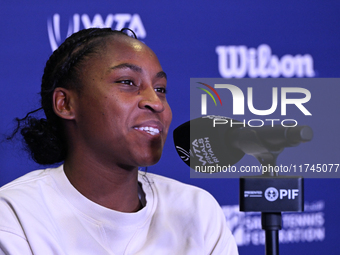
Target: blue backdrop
x,y
192,39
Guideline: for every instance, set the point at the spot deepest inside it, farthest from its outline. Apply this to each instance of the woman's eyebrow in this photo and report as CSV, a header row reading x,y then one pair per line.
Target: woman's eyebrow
x,y
127,65
137,69
161,74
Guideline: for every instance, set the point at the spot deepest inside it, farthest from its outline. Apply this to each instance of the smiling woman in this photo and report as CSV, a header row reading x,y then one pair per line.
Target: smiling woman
x,y
104,97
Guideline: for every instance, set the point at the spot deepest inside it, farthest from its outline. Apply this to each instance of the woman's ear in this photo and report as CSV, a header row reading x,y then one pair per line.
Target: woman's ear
x,y
64,103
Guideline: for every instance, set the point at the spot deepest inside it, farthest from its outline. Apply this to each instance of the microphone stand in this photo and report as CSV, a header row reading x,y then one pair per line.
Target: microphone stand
x,y
267,193
268,182
271,221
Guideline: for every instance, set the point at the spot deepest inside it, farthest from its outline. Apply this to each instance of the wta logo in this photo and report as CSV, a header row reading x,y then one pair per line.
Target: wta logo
x,y
77,22
204,97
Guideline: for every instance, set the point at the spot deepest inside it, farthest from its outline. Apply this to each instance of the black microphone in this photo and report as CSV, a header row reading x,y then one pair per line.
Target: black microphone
x,y
253,140
198,143
206,141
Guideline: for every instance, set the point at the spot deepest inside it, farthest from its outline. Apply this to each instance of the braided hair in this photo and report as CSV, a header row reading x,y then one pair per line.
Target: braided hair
x,y
45,138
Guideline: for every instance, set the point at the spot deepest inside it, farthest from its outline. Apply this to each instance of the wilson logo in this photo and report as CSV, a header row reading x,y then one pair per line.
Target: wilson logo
x,y
240,61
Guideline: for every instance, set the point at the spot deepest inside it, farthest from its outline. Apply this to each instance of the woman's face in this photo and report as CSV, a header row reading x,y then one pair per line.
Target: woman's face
x,y
122,116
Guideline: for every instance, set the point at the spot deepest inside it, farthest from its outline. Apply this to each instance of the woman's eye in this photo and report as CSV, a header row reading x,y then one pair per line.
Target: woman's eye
x,y
161,90
127,82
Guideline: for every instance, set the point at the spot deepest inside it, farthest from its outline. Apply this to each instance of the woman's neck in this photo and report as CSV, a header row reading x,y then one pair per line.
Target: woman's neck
x,y
110,186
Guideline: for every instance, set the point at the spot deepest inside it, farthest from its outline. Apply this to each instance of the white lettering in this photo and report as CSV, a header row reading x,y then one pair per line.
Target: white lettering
x,y
137,26
122,19
97,21
117,22
298,101
289,193
262,112
238,61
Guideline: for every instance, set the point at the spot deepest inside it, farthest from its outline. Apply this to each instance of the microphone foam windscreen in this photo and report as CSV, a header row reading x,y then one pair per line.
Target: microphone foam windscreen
x,y
199,143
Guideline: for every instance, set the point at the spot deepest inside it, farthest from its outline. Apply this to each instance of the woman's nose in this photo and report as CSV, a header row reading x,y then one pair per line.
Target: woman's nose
x,y
150,100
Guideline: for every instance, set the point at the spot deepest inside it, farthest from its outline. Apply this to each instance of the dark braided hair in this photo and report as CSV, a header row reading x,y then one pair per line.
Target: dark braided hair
x,y
45,138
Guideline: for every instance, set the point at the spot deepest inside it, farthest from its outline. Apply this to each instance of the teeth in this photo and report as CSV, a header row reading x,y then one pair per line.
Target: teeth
x,y
150,130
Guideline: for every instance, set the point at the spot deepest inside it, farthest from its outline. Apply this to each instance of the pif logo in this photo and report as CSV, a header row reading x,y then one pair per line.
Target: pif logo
x,y
272,194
